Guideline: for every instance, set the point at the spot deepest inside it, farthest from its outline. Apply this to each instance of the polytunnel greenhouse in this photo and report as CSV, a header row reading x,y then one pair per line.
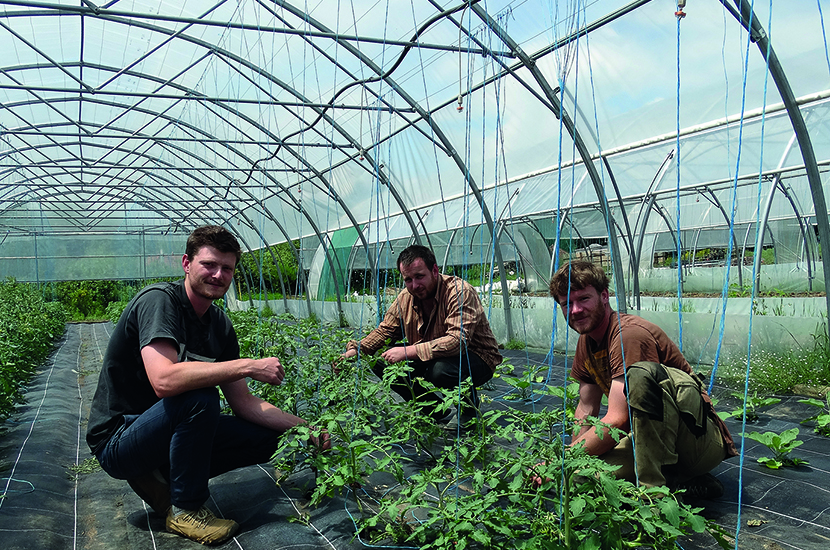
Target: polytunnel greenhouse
x,y
681,146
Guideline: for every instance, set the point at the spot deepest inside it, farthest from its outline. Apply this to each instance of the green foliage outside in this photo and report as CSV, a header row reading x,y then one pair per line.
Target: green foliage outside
x,y
777,372
441,491
90,300
708,256
85,299
264,274
28,327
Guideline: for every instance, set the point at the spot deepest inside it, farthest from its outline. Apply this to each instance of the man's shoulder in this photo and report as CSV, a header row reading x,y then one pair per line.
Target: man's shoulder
x,y
156,290
455,282
157,295
629,321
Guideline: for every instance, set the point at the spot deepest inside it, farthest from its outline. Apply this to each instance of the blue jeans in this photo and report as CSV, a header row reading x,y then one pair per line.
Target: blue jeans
x,y
187,439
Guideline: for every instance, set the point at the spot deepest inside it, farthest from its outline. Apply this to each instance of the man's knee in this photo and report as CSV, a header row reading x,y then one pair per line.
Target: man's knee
x,y
643,386
203,401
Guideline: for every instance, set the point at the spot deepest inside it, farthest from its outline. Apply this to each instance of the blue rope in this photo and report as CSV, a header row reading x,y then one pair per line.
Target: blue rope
x,y
823,34
677,203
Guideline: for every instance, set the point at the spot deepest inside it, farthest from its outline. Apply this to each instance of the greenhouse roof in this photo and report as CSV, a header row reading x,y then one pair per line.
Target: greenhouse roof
x,y
286,120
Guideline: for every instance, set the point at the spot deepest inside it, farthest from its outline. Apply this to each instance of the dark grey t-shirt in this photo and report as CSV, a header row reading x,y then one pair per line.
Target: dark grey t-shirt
x,y
161,311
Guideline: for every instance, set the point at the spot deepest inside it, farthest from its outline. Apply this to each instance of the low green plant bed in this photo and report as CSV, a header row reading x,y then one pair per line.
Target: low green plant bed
x,y
28,328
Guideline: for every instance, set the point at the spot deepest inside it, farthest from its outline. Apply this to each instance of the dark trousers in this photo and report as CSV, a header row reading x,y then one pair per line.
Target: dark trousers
x,y
187,439
444,372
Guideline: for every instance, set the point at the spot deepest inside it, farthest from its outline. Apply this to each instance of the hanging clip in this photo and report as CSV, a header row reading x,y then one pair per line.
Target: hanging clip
x,y
680,14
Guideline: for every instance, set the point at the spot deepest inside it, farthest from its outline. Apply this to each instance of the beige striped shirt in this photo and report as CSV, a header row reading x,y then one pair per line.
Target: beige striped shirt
x,y
457,317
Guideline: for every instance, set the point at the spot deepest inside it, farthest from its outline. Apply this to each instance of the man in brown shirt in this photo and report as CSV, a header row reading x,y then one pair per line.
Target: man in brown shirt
x,y
675,438
441,322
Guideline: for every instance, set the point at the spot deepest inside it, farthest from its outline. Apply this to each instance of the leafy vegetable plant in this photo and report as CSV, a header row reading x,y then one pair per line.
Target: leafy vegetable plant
x,y
28,327
751,406
781,445
416,484
822,418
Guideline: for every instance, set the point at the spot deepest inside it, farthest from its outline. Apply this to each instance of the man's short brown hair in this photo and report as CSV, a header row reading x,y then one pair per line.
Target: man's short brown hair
x,y
577,275
415,251
212,235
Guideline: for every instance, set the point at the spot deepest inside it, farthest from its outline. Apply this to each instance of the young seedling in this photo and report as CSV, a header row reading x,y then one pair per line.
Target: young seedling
x,y
531,378
822,418
781,445
751,406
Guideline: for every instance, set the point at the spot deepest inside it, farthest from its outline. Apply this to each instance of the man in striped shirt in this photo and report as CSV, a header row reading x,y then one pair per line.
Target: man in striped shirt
x,y
438,325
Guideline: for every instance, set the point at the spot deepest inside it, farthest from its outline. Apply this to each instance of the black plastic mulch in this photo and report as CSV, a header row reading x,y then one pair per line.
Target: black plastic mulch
x,y
51,502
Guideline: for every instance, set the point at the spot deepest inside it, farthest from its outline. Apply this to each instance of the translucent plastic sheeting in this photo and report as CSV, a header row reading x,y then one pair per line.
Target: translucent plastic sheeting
x,y
282,121
34,258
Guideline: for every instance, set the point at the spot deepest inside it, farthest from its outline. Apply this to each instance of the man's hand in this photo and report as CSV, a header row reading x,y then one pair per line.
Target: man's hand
x,y
321,442
398,354
348,354
268,370
535,479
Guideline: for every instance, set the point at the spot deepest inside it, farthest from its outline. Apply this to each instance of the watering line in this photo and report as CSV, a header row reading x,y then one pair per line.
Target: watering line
x,y
678,167
755,281
823,33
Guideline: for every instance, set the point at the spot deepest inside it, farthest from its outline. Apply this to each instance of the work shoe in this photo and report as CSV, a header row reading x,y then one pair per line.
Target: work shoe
x,y
704,486
200,525
154,490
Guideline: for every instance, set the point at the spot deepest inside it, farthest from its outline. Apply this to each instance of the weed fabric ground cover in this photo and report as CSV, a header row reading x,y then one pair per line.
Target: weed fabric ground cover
x,y
52,503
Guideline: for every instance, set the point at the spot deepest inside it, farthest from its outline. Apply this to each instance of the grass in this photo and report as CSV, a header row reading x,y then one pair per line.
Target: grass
x,y
88,466
781,371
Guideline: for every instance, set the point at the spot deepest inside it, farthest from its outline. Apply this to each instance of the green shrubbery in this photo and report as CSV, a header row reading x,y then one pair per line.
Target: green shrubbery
x,y
265,274
92,300
28,327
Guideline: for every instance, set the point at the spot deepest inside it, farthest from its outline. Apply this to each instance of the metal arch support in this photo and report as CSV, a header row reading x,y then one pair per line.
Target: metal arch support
x,y
646,212
453,233
629,236
259,70
559,111
750,22
803,229
648,199
713,199
468,178
776,182
249,223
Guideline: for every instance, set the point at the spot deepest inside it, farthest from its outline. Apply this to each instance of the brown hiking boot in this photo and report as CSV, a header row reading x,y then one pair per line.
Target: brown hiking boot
x,y
201,525
153,490
704,486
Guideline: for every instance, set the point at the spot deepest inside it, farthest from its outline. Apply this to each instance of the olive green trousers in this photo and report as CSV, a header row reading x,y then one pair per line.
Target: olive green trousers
x,y
672,437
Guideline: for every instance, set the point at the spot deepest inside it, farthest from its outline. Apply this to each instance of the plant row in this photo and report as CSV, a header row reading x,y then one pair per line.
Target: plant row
x,y
409,482
28,328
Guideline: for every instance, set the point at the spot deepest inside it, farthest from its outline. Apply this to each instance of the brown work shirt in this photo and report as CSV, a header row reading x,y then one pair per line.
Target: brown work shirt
x,y
456,318
630,339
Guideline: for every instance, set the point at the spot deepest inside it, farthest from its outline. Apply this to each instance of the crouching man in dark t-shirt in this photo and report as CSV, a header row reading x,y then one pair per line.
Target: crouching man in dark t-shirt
x,y
155,419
